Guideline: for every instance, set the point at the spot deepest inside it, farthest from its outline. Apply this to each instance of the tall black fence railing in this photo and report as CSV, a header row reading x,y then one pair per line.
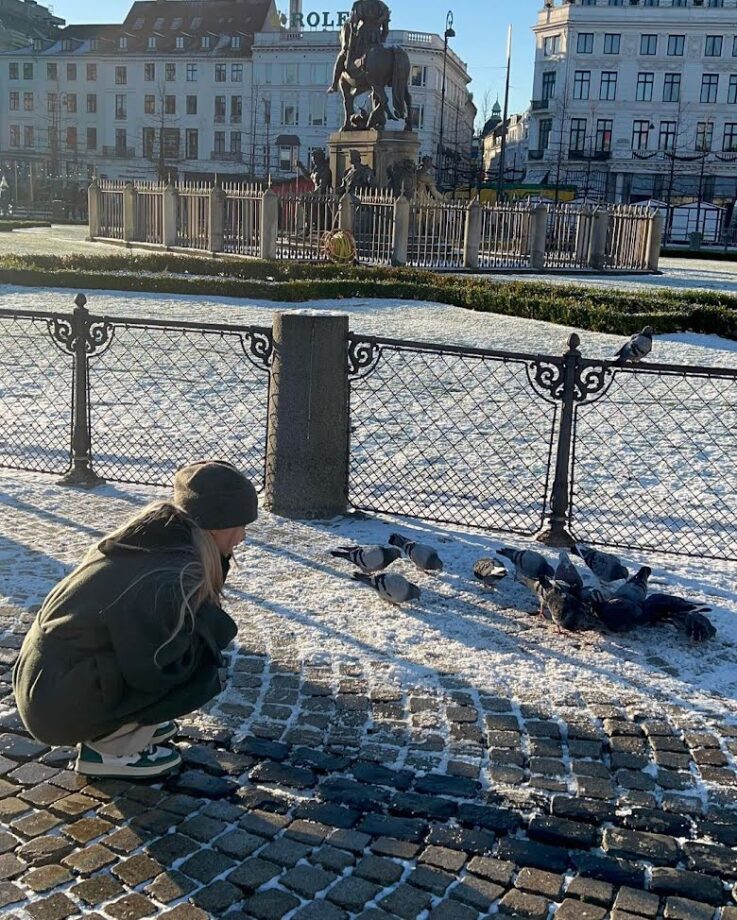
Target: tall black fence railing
x,y
131,398
561,447
565,448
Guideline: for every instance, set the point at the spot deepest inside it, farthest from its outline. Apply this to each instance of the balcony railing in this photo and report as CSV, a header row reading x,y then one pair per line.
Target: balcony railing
x,y
598,155
540,105
123,153
228,156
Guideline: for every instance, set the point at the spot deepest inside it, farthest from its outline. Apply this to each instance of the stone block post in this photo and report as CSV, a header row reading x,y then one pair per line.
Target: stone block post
x,y
308,420
94,209
269,224
130,202
400,236
538,237
584,235
655,241
472,235
346,212
169,215
599,233
216,207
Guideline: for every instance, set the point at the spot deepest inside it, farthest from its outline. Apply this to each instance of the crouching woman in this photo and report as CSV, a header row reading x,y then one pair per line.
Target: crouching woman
x,y
132,638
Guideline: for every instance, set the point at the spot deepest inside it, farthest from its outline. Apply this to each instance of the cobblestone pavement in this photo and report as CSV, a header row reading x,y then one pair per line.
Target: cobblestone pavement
x,y
326,788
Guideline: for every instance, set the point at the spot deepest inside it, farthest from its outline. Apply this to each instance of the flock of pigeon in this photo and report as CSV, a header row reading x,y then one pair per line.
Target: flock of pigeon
x,y
619,601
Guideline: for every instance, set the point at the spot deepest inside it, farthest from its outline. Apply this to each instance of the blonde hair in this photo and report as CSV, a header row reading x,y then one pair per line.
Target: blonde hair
x,y
200,575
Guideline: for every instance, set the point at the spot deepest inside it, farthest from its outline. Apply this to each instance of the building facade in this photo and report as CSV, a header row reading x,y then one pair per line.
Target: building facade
x,y
186,89
636,99
22,21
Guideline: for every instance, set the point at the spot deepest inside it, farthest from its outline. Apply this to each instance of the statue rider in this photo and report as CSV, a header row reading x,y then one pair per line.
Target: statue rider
x,y
367,25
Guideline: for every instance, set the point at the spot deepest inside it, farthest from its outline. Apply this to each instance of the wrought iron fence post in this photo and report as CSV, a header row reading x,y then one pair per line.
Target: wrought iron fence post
x,y
555,533
75,336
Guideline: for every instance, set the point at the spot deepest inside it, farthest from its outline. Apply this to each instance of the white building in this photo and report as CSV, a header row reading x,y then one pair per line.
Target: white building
x,y
636,99
190,89
515,148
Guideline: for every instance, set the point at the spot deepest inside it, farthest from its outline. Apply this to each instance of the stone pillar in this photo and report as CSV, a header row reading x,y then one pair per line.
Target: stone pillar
x,y
400,237
655,242
169,215
599,231
472,235
269,224
308,422
216,206
94,209
346,212
538,237
130,200
584,236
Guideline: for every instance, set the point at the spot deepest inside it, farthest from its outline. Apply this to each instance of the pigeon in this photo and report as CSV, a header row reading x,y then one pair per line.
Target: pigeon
x,y
564,608
606,566
423,556
698,627
368,558
662,606
566,573
635,588
619,614
636,347
390,587
489,571
528,563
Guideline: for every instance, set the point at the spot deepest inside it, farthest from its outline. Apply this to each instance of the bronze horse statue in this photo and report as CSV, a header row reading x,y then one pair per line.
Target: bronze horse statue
x,y
382,67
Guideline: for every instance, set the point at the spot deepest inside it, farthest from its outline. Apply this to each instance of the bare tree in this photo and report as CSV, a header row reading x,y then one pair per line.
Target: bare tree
x,y
161,138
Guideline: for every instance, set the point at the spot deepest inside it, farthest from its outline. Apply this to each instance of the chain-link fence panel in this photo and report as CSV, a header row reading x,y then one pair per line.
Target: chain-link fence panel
x,y
35,395
654,462
165,394
449,434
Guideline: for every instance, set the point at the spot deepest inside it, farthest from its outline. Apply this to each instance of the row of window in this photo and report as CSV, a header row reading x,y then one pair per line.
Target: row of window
x,y
668,131
643,89
713,4
612,41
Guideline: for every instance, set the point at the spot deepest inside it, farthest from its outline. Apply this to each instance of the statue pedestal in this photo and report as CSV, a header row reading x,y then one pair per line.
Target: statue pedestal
x,y
378,149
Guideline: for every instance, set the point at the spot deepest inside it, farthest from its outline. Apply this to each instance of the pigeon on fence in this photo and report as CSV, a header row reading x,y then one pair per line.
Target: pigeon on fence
x,y
489,571
606,566
663,606
566,573
423,556
564,607
368,558
635,588
528,563
636,347
390,587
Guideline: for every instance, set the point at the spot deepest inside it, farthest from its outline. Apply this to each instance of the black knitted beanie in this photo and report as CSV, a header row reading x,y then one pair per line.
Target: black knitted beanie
x,y
215,495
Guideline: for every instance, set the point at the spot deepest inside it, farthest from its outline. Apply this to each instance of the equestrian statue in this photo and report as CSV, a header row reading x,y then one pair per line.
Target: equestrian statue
x,y
367,65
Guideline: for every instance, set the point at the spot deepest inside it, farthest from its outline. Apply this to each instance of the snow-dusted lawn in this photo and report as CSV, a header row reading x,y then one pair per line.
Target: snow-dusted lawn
x,y
289,591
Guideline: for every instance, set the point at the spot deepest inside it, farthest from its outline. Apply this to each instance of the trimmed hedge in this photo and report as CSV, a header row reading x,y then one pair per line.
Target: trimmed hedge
x,y
601,310
7,226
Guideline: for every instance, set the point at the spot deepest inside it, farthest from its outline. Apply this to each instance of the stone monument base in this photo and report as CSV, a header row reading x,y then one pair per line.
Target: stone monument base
x,y
378,149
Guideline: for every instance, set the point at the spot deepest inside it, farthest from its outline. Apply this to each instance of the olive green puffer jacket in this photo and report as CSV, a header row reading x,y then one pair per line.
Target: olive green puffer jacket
x,y
87,665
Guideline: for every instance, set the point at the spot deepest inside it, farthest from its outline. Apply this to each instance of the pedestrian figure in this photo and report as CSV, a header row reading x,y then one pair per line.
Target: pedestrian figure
x,y
132,638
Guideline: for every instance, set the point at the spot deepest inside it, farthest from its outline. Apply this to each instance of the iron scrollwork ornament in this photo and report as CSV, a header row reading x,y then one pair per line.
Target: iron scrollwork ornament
x,y
260,348
363,356
547,376
99,336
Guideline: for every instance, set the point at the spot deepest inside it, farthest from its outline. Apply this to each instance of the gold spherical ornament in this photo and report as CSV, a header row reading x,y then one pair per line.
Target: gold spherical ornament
x,y
339,246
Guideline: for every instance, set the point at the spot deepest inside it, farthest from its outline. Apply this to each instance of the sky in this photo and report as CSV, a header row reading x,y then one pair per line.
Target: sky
x,y
480,26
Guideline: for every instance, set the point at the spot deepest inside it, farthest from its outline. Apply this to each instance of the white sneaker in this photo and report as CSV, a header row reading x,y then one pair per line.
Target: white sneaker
x,y
152,761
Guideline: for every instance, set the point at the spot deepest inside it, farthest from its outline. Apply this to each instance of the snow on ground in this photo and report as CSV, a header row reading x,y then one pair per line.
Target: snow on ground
x,y
675,273
289,591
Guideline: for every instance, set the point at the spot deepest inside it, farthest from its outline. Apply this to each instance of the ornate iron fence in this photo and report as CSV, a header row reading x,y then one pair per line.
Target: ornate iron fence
x,y
150,212
436,233
373,227
506,236
111,209
449,434
242,228
640,456
142,396
193,215
303,222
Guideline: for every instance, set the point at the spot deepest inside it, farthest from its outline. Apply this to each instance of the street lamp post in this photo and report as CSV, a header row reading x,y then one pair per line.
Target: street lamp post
x,y
449,33
505,116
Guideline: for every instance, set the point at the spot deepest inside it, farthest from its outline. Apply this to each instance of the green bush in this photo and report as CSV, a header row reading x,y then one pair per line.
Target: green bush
x,y
599,309
6,226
